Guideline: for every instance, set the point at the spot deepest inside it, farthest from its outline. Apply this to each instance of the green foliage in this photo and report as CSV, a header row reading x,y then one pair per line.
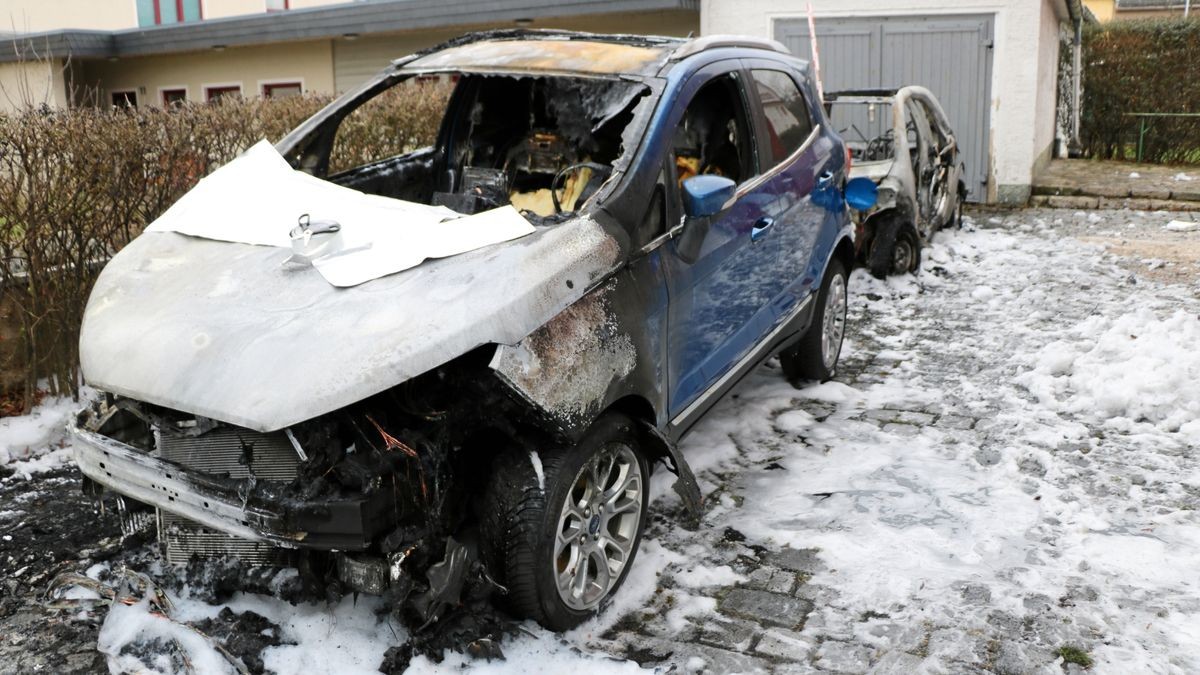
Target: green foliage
x,y
1074,655
76,185
1142,66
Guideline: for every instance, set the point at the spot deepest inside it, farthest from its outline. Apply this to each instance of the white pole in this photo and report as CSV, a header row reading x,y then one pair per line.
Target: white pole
x,y
1187,7
812,37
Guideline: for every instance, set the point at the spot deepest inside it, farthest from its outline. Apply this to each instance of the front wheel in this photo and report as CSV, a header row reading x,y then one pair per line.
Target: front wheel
x,y
815,356
895,249
562,527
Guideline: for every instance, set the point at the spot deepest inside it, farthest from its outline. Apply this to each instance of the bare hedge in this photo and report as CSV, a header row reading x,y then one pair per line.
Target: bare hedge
x,y
1142,66
76,185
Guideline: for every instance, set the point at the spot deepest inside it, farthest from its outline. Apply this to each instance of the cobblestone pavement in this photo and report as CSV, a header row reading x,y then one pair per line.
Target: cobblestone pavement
x,y
1001,511
943,506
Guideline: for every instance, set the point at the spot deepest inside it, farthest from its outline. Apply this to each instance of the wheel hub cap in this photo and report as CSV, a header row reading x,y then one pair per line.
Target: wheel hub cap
x,y
598,526
833,324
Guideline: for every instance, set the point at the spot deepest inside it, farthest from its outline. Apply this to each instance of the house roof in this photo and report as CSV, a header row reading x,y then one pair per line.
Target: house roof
x,y
357,18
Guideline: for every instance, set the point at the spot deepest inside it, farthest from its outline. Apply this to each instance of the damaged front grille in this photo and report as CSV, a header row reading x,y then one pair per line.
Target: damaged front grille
x,y
182,539
234,453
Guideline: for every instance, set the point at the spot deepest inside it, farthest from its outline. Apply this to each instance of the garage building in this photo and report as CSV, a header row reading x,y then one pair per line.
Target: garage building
x,y
994,65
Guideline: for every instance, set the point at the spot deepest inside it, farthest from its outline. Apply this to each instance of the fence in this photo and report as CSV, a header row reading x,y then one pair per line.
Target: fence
x,y
1137,67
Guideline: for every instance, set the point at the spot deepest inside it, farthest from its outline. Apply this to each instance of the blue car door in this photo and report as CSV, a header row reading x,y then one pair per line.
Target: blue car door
x,y
797,160
720,304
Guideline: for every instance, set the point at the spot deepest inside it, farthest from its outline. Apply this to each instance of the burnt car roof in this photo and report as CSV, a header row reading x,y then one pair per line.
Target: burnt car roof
x,y
545,51
861,93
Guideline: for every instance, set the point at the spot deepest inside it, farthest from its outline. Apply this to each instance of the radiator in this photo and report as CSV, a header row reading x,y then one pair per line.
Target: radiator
x,y
235,453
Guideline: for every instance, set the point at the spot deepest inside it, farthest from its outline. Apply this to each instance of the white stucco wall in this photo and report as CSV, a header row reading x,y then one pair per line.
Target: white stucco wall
x,y
1022,116
26,16
31,84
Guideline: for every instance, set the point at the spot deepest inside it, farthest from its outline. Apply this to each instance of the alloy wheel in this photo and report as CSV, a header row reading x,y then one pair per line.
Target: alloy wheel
x,y
834,322
598,526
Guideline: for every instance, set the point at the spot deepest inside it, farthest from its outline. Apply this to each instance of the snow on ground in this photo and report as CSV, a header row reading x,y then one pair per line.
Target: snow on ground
x,y
1004,475
33,443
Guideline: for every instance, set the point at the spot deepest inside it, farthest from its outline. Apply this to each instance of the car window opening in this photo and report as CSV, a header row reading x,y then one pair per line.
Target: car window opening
x,y
544,144
866,126
713,137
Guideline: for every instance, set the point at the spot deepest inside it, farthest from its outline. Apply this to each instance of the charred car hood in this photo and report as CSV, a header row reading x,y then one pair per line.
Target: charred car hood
x,y
225,330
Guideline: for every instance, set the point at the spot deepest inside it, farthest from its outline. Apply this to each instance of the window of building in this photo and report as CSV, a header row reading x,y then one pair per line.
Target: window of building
x,y
166,12
174,97
124,99
278,5
282,89
788,120
217,92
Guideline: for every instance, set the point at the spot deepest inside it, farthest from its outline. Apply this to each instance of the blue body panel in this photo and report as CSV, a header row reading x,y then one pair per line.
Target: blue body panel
x,y
763,256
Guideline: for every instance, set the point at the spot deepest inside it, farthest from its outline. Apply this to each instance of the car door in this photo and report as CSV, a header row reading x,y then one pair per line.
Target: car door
x,y
796,161
719,303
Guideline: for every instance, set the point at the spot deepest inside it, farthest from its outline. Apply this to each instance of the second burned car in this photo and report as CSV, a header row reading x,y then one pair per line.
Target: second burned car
x,y
902,140
458,369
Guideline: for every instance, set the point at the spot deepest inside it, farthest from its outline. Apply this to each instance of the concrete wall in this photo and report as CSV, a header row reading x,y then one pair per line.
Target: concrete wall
x,y
308,62
32,84
216,9
1045,119
1022,118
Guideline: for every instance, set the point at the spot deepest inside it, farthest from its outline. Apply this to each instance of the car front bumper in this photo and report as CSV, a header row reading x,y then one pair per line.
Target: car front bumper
x,y
238,507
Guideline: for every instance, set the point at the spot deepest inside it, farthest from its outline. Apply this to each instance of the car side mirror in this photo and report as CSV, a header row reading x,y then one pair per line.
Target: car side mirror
x,y
861,193
703,198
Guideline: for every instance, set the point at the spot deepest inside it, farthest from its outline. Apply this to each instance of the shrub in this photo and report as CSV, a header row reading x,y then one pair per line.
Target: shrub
x,y
1141,66
76,185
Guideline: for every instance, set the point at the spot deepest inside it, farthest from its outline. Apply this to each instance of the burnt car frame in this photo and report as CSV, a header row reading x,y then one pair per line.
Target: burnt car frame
x,y
487,421
902,140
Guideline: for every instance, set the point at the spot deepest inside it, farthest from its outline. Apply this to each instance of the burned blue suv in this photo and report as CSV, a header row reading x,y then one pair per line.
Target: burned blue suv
x,y
447,373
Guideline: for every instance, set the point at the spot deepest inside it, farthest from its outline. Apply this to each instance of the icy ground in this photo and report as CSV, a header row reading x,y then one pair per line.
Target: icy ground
x,y
1005,473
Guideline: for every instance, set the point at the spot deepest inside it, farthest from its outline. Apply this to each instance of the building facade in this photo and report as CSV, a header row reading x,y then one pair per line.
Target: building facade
x,y
1111,10
993,64
160,52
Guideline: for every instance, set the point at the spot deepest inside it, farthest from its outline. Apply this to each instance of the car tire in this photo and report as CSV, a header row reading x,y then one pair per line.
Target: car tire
x,y
816,355
895,249
542,515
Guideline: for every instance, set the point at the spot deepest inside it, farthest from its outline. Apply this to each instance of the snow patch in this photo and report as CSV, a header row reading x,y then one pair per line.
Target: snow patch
x,y
536,460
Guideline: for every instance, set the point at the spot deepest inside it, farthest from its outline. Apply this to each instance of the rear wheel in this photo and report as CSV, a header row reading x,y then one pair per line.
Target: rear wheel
x,y
815,356
562,528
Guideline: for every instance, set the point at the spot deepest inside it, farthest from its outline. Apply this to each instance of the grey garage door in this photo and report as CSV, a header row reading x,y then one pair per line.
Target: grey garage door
x,y
949,55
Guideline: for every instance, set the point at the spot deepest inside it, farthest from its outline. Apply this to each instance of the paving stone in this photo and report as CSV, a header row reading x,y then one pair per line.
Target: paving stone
x,y
772,579
766,608
906,430
896,662
976,594
729,633
1150,193
698,658
844,657
1073,202
901,416
818,593
956,422
804,560
785,644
